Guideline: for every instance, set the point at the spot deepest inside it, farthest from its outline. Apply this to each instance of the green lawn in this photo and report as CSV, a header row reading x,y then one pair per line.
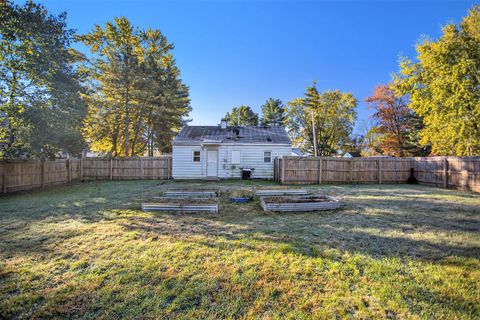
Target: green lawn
x,y
87,251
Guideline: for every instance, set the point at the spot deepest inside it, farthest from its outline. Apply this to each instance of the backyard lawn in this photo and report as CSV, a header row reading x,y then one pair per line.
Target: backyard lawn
x,y
88,251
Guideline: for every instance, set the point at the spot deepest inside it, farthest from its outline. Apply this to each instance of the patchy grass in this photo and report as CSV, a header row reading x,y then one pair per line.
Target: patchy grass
x,y
87,251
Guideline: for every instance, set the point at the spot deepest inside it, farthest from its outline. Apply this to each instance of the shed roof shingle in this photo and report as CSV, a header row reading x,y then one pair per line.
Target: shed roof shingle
x,y
201,134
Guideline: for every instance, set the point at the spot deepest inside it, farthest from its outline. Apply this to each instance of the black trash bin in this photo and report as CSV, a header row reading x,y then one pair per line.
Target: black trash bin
x,y
246,174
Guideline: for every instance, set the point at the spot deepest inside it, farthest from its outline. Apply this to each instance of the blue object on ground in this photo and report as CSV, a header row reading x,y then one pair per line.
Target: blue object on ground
x,y
239,200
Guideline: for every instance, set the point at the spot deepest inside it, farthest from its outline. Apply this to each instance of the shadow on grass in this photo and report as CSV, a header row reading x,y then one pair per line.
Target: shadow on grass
x,y
380,225
407,214
376,228
306,237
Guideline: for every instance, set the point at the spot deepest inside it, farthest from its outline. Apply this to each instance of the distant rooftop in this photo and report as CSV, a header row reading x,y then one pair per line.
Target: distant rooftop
x,y
215,134
297,152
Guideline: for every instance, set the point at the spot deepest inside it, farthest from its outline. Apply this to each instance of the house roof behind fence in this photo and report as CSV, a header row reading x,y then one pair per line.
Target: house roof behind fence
x,y
193,135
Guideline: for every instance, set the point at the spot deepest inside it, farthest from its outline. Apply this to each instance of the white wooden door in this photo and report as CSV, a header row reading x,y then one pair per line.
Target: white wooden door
x,y
212,163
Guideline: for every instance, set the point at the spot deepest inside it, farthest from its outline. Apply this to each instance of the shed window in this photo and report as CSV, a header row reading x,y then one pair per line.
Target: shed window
x,y
235,157
267,156
196,156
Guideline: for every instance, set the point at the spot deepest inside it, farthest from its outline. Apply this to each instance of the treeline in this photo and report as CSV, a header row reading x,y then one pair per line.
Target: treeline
x,y
332,113
125,98
41,83
430,107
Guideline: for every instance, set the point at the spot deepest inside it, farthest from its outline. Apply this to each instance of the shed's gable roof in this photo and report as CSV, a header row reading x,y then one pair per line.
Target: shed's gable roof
x,y
207,134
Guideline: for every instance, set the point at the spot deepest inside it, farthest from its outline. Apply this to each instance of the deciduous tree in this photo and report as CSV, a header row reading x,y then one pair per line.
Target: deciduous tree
x,y
41,110
333,115
396,123
444,87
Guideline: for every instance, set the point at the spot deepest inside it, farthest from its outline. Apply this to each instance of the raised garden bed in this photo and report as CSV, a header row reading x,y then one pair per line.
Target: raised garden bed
x,y
189,194
280,192
181,205
299,203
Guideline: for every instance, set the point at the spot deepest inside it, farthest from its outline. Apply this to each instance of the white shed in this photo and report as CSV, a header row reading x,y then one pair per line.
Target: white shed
x,y
221,152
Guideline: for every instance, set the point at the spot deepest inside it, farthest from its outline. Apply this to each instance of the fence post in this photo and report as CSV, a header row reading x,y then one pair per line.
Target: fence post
x,y
278,170
69,174
111,169
350,170
169,159
283,171
275,169
141,169
319,170
395,170
4,177
445,172
42,173
379,171
81,168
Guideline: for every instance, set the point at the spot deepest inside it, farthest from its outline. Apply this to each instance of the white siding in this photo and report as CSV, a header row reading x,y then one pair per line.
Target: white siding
x,y
250,156
183,166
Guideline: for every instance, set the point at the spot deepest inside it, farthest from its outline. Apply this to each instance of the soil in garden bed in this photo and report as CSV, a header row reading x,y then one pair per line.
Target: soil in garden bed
x,y
306,199
183,201
191,190
263,188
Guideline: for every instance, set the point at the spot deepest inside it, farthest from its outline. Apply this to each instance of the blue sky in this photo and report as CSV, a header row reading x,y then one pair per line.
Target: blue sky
x,y
233,53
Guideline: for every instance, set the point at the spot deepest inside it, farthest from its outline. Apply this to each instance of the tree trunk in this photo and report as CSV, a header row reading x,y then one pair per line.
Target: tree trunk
x,y
150,141
135,137
115,135
127,123
127,96
11,130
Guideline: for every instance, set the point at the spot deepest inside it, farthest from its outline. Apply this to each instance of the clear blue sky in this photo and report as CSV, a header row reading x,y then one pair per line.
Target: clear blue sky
x,y
233,53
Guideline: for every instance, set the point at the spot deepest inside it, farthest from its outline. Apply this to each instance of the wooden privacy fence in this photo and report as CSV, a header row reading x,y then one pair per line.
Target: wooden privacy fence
x,y
18,175
127,168
308,170
447,172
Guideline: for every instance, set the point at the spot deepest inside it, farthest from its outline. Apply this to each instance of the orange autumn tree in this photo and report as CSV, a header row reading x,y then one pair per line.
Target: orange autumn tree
x,y
396,123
